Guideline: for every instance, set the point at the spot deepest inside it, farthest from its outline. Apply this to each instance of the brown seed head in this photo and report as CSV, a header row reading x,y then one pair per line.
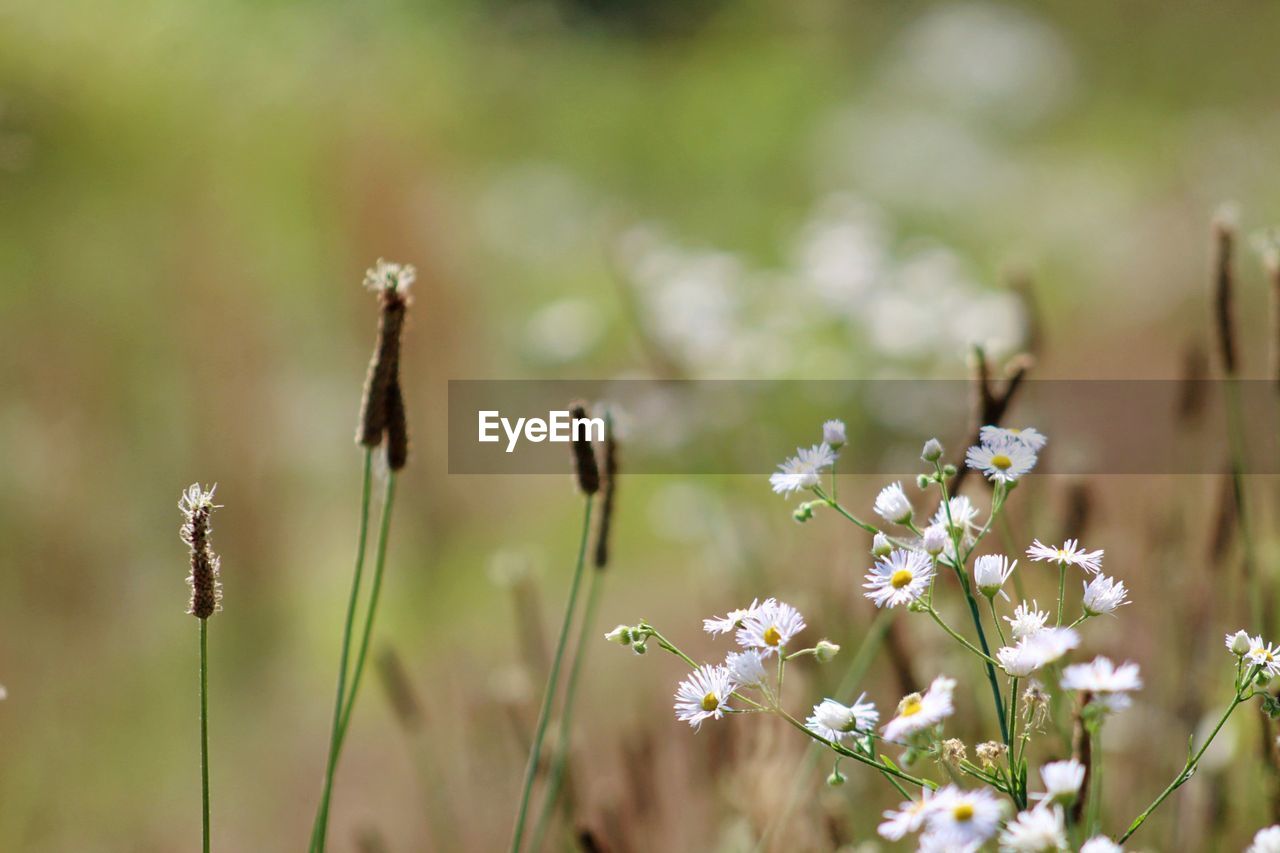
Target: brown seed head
x,y
197,506
1224,286
584,457
610,495
397,428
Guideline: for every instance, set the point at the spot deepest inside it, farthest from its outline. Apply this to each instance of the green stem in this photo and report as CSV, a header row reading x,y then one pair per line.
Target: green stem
x,y
959,639
1189,768
831,502
1094,803
204,728
531,770
375,587
991,602
856,756
1062,591
322,811
561,759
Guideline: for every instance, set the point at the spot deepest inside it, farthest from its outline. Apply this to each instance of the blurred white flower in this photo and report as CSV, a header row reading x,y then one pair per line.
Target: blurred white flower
x,y
917,712
1109,683
732,622
1103,595
1029,436
833,434
1038,830
962,818
1266,841
802,471
1062,781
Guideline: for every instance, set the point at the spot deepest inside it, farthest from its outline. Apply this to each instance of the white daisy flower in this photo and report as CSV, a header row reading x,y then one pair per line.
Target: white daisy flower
x,y
990,571
1004,461
941,842
918,712
1239,643
1029,436
1039,830
893,505
908,818
1070,554
804,470
963,515
1263,654
964,817
833,434
704,694
837,722
1037,650
1102,844
1062,781
746,668
1026,620
732,622
1103,595
1266,841
388,276
899,578
1110,683
770,627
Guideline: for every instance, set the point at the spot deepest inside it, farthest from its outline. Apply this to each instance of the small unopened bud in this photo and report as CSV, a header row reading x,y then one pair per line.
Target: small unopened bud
x,y
923,481
954,752
991,753
391,283
620,635
833,434
836,779
880,546
948,471
990,571
803,512
932,451
639,647
935,539
825,651
1240,644
584,456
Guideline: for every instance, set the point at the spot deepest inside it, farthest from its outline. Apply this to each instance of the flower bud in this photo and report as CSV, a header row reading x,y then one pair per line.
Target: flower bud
x,y
803,512
923,480
948,471
639,647
1239,644
825,651
990,571
880,546
892,504
935,539
932,451
836,779
833,434
620,635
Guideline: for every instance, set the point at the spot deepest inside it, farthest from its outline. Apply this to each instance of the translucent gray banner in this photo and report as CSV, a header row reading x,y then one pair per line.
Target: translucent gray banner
x,y
748,427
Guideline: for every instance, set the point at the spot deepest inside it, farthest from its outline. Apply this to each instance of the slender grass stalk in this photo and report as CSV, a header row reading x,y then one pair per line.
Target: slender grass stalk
x,y
204,728
356,575
553,680
375,588
560,762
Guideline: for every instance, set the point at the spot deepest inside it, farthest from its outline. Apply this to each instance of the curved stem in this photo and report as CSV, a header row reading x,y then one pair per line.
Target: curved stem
x,y
959,639
322,811
531,770
831,502
204,728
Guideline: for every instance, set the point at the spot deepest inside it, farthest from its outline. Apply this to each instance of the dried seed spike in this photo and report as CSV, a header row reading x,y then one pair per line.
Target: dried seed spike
x,y
391,283
584,456
1224,287
610,491
197,506
397,428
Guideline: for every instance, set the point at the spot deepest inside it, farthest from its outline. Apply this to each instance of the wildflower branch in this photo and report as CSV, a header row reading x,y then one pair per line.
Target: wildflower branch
x,y
834,504
888,770
1193,761
959,639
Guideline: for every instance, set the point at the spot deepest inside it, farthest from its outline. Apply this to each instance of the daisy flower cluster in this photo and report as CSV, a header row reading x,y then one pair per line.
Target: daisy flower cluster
x,y
924,550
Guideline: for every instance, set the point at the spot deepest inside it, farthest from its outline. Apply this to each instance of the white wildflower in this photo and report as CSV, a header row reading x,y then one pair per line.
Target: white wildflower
x,y
837,722
1037,650
746,668
908,818
388,276
833,434
1109,683
1239,643
899,578
1266,841
1263,654
935,539
1103,595
893,505
917,712
964,817
1004,461
804,470
959,514
1026,620
704,694
1039,830
990,571
1062,781
731,622
770,627
1102,844
1070,554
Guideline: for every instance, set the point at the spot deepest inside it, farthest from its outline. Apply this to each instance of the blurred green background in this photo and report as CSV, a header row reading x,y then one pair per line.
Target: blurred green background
x,y
190,192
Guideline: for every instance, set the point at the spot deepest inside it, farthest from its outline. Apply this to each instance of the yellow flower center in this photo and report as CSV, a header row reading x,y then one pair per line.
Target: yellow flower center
x,y
1265,654
710,702
911,706
773,636
962,812
900,578
1004,463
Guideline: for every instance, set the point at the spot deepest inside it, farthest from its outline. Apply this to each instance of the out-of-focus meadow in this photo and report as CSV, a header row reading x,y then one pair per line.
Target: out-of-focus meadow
x,y
190,192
